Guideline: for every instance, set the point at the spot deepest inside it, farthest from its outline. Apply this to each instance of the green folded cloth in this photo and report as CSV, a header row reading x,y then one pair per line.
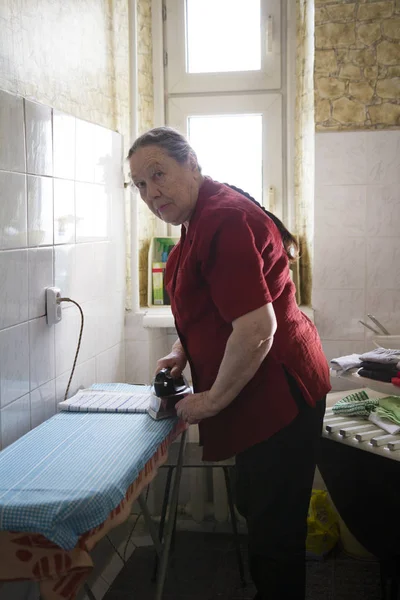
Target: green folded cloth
x,y
389,408
355,405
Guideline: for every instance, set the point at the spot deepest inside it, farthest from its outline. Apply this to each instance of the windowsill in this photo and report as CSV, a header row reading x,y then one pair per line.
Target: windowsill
x,y
161,316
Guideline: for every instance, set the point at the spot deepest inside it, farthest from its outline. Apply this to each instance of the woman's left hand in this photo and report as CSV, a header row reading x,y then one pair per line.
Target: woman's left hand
x,y
195,407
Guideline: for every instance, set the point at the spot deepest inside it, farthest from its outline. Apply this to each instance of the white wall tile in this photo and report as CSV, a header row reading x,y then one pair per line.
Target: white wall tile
x,y
65,270
41,351
134,330
336,348
15,420
138,369
337,313
103,163
357,195
40,211
341,158
39,139
85,151
339,263
383,210
40,265
43,403
340,210
383,157
66,337
383,263
13,210
92,203
91,324
64,211
85,274
385,306
111,322
63,145
84,376
14,363
13,287
12,133
110,365
104,269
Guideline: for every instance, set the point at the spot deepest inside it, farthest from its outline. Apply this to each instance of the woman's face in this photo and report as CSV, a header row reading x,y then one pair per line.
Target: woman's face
x,y
170,189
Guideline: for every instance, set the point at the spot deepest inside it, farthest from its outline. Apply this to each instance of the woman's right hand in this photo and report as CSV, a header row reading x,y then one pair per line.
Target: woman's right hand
x,y
175,360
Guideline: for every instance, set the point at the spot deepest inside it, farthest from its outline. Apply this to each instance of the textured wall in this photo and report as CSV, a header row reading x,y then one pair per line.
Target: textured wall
x,y
357,64
145,122
73,56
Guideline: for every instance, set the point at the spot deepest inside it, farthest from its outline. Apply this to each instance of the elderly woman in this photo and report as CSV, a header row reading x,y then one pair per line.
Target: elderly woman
x,y
259,373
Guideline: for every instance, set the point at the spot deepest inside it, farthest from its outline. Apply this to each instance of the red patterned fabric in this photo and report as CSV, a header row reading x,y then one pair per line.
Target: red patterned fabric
x,y
60,573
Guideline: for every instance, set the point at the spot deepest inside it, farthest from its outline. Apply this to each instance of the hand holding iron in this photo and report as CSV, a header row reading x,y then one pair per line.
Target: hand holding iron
x,y
175,360
195,407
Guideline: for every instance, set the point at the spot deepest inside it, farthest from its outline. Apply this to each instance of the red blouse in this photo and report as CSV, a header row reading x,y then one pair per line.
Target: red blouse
x,y
231,261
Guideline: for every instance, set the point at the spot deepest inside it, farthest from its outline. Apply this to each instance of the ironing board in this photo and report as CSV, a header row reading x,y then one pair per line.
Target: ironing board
x,y
66,483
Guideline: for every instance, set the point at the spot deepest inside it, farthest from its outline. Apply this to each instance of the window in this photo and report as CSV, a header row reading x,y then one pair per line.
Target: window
x,y
223,73
237,140
238,39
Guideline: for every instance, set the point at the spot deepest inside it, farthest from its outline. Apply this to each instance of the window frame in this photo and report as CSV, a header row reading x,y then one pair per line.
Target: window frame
x,y
287,90
178,81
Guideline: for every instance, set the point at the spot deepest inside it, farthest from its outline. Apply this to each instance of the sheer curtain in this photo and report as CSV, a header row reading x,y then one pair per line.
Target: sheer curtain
x,y
304,147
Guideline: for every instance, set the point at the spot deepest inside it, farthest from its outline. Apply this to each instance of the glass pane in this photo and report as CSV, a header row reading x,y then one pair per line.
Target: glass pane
x,y
223,35
229,149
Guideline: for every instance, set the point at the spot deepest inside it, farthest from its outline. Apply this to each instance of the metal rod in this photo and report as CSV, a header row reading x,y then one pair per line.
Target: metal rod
x,y
369,327
163,515
378,324
150,525
234,525
171,520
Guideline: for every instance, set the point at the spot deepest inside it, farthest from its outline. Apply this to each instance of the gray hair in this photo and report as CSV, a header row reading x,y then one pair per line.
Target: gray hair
x,y
170,140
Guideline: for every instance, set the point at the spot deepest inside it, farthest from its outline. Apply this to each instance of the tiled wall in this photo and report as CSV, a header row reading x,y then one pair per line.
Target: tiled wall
x,y
61,223
357,241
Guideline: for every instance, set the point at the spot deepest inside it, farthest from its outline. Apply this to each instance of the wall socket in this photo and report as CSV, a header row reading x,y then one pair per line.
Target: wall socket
x,y
53,308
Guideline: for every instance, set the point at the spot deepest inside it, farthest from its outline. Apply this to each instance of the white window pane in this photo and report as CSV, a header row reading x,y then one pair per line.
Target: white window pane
x,y
223,35
229,149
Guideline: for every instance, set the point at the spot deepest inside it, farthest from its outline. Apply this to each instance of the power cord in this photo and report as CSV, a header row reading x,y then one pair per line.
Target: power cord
x,y
59,300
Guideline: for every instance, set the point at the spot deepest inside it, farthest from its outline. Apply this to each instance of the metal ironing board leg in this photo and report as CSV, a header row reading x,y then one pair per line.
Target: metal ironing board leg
x,y
152,528
163,515
162,573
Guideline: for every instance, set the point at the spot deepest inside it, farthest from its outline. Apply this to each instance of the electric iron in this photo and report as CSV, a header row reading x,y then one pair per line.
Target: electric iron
x,y
166,392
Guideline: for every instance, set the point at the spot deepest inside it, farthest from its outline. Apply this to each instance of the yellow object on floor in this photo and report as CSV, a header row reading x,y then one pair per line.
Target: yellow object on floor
x,y
323,527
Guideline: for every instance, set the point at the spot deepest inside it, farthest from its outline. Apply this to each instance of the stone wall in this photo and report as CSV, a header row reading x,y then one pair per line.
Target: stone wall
x,y
357,64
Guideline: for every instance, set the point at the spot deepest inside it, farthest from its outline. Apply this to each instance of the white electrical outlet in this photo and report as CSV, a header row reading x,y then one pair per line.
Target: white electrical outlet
x,y
53,308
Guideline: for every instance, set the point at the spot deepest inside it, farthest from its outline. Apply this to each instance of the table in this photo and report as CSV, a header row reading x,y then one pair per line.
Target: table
x,y
364,484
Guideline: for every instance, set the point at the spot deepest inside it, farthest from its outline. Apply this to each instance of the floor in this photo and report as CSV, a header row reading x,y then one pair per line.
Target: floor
x,y
204,567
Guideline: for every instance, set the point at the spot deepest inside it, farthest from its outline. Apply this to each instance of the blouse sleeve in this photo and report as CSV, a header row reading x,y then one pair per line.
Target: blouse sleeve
x,y
234,269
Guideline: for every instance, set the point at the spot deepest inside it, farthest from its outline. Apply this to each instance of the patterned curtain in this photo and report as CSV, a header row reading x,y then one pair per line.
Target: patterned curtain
x,y
304,147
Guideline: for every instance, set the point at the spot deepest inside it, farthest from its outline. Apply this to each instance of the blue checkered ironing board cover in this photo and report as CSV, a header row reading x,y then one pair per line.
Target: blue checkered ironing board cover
x,y
64,477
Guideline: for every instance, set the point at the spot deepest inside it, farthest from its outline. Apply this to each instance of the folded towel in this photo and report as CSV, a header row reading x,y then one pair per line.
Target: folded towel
x,y
345,363
382,355
375,366
384,424
376,375
389,408
357,404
